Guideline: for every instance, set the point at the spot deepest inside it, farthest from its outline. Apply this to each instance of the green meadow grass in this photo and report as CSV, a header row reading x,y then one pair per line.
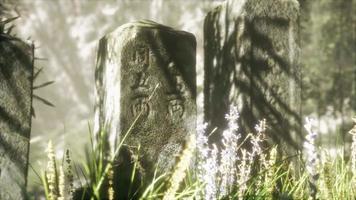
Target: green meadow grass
x,y
336,179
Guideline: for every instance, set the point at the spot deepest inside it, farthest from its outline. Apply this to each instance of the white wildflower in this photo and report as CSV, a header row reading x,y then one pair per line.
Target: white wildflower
x,y
211,168
202,142
257,139
229,152
257,150
244,169
207,164
51,173
312,161
353,150
62,185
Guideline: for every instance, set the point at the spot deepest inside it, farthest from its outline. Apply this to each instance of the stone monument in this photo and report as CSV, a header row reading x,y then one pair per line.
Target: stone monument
x,y
146,79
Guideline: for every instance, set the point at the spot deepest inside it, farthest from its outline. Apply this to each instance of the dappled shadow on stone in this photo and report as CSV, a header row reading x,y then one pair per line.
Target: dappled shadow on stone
x,y
16,71
146,84
251,61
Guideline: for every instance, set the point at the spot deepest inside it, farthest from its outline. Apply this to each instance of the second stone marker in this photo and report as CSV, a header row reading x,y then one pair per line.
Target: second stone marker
x,y
251,50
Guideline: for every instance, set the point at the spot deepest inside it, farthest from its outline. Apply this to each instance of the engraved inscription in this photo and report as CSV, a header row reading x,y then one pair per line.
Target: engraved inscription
x,y
140,86
140,105
141,56
176,107
176,97
177,79
141,81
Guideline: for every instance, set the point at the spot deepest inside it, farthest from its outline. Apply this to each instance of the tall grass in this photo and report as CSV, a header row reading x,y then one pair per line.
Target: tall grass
x,y
230,171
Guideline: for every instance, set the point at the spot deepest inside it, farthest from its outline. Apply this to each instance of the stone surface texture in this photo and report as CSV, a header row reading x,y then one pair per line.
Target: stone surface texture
x,y
146,71
16,71
251,60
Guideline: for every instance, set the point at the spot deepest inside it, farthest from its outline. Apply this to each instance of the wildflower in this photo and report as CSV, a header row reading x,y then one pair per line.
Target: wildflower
x,y
111,182
311,156
256,142
261,127
62,185
353,152
211,167
326,178
244,169
207,163
202,142
229,152
51,173
69,175
269,166
353,148
180,169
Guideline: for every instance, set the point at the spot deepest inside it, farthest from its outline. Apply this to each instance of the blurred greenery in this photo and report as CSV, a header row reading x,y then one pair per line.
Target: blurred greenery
x,y
329,66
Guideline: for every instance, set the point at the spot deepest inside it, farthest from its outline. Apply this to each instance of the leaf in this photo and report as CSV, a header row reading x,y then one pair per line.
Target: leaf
x,y
37,73
42,85
43,100
33,114
8,31
8,20
38,58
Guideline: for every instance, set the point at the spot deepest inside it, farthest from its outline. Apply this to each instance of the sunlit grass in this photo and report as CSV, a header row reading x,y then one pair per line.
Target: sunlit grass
x,y
260,172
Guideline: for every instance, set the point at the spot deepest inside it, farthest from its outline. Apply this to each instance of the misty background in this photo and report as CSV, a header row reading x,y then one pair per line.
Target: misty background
x,y
66,34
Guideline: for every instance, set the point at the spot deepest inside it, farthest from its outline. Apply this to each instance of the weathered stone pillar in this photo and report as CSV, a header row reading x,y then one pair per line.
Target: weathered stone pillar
x,y
146,71
16,71
251,60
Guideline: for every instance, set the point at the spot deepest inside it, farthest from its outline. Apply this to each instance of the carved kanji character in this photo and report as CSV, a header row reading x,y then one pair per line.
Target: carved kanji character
x,y
141,56
176,108
140,105
141,81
